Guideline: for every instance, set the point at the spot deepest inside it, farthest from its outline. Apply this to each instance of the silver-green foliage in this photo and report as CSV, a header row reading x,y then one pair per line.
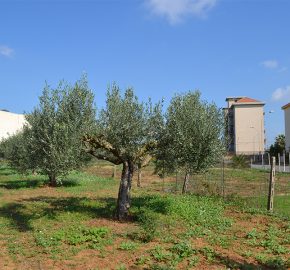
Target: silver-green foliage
x,y
193,137
14,150
51,141
127,132
128,124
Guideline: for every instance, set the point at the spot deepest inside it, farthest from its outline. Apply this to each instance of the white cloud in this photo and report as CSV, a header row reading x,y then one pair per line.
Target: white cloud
x,y
281,93
283,69
6,51
271,64
175,10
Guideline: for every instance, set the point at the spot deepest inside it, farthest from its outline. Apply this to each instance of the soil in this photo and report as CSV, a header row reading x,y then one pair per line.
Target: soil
x,y
113,257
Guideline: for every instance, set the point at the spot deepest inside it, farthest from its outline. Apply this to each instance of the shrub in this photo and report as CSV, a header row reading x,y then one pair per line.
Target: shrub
x,y
240,162
149,224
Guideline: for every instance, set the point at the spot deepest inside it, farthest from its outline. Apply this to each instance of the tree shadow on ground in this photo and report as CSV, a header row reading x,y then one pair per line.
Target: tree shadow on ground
x,y
18,184
19,219
233,264
34,183
5,171
22,214
153,203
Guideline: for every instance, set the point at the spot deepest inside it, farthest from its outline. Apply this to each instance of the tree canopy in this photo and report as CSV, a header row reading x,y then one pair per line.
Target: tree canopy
x,y
51,141
127,132
279,145
193,137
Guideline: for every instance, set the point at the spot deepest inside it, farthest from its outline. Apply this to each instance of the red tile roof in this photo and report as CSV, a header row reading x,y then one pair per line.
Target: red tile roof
x,y
246,100
286,106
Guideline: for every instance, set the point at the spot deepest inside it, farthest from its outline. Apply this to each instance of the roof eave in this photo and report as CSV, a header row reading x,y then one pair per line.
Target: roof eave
x,y
248,103
286,106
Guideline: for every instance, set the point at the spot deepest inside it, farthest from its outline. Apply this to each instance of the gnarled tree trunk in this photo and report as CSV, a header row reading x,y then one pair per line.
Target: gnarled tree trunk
x,y
52,180
185,183
124,199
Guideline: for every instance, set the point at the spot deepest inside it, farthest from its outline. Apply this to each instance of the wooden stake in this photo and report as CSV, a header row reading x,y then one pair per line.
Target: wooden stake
x,y
271,186
284,159
223,177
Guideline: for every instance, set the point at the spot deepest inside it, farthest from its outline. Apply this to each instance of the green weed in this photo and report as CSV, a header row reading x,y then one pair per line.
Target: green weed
x,y
193,261
142,260
183,249
209,253
128,246
149,223
160,254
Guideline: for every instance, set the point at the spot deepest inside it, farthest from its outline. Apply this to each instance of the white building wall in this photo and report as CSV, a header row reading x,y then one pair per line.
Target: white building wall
x,y
287,128
10,123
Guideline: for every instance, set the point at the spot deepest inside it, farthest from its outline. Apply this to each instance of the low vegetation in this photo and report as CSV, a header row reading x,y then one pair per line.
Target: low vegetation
x,y
72,227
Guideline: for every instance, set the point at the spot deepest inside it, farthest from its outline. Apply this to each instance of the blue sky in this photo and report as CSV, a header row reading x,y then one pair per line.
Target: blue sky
x,y
160,47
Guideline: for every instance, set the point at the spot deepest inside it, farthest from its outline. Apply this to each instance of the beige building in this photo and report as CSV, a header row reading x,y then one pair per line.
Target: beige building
x,y
245,125
10,123
286,109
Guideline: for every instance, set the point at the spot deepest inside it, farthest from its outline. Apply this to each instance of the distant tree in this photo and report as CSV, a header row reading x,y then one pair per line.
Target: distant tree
x,y
240,162
127,132
51,141
15,150
193,137
279,145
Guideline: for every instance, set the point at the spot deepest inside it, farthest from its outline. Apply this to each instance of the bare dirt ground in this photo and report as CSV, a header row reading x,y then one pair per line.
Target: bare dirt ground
x,y
235,249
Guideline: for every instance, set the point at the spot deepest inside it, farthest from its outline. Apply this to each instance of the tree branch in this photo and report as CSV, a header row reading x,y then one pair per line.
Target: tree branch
x,y
101,156
143,151
98,142
144,161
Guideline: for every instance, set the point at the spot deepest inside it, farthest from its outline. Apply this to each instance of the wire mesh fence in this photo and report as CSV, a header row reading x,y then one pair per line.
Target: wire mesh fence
x,y
263,162
248,185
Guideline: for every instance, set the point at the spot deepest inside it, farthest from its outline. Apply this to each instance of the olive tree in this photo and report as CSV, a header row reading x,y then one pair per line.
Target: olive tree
x,y
14,149
193,136
51,141
127,132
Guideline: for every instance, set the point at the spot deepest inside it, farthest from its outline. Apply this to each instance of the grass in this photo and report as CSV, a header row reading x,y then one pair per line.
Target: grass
x,y
73,226
258,204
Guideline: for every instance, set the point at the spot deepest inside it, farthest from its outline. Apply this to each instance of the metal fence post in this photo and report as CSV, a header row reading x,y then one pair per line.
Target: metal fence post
x,y
271,185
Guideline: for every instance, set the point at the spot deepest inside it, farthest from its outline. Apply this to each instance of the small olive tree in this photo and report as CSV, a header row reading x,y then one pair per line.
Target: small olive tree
x,y
193,136
14,149
51,141
127,132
